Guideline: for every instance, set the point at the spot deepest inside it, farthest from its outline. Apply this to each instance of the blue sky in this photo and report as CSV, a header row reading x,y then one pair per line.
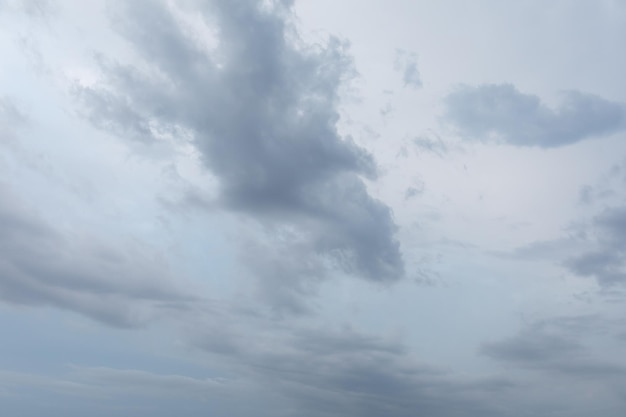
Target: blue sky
x,y
312,208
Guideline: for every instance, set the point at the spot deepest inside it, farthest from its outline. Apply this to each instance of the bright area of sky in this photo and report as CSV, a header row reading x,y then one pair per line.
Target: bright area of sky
x,y
325,208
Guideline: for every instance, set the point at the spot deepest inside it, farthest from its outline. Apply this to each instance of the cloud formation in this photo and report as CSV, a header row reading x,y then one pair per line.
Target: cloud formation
x,y
261,107
501,113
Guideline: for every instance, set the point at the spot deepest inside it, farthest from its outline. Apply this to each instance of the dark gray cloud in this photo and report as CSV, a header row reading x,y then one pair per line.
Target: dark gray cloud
x,y
124,285
499,112
261,107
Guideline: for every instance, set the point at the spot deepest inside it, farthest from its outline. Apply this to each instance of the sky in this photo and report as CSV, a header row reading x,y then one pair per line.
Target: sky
x,y
304,208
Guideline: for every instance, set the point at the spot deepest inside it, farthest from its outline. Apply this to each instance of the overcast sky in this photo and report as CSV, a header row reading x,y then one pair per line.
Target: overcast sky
x,y
312,208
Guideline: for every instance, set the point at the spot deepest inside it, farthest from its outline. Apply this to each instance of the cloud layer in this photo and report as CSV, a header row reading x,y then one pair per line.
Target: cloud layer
x,y
122,285
215,207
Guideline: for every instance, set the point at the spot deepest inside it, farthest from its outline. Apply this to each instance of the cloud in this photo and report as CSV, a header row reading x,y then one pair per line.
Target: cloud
x,y
123,392
406,63
589,195
426,144
286,271
123,285
261,108
413,191
32,8
38,8
532,347
612,224
555,347
604,260
545,250
592,249
289,371
107,382
10,114
146,383
12,118
499,112
319,371
356,388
